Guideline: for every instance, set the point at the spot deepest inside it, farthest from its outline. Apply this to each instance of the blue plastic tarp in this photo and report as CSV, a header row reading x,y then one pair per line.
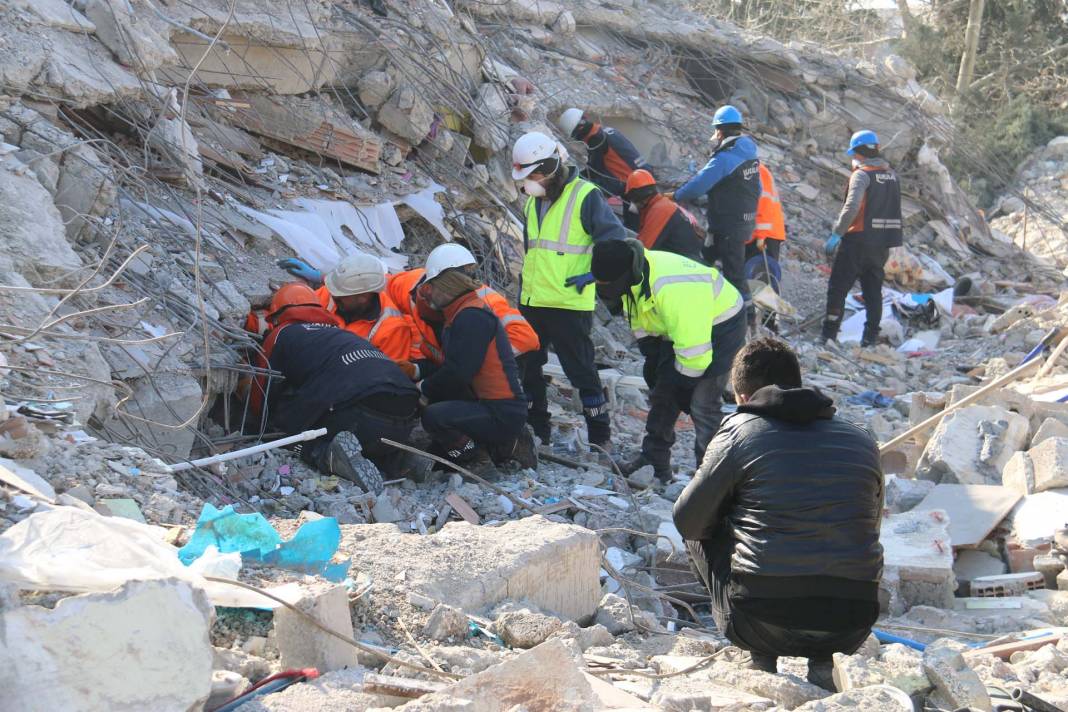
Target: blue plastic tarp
x,y
310,550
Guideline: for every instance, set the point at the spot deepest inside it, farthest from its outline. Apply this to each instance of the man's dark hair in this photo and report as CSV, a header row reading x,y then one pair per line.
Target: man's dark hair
x,y
765,362
867,152
730,129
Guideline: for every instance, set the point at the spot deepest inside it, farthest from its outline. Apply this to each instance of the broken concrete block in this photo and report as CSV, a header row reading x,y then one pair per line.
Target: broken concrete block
x,y
973,563
787,690
525,629
903,493
618,616
1037,516
548,677
374,88
86,187
407,114
956,684
138,38
876,697
301,645
898,666
1050,428
31,229
491,122
1043,467
553,566
143,646
917,560
446,622
972,446
168,399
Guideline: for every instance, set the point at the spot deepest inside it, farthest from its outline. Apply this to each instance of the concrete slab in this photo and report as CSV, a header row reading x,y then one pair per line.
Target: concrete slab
x,y
918,559
301,645
553,566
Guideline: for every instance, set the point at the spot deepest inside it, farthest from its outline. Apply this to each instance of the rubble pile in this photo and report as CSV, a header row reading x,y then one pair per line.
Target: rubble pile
x,y
157,160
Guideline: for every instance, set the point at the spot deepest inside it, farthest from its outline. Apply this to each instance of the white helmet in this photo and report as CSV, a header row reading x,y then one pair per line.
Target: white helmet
x,y
359,273
532,148
569,120
445,257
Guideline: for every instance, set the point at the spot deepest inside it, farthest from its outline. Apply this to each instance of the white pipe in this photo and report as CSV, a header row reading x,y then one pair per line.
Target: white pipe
x,y
262,447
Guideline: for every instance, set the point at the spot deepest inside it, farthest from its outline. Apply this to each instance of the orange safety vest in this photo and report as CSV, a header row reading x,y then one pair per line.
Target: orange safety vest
x,y
390,333
401,288
770,224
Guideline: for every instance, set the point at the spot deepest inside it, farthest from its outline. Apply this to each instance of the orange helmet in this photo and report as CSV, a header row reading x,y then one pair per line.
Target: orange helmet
x,y
294,294
640,178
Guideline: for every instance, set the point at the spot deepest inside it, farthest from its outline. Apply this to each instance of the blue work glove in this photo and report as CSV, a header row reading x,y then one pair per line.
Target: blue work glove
x,y
300,268
832,244
580,281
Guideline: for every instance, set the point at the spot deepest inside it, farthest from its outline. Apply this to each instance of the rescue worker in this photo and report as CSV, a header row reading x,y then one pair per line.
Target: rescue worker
x,y
426,323
610,157
782,519
867,227
764,249
770,230
565,217
662,223
336,380
355,291
731,179
689,322
477,412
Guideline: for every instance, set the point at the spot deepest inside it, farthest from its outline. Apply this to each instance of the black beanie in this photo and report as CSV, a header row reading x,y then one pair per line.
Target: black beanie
x,y
612,259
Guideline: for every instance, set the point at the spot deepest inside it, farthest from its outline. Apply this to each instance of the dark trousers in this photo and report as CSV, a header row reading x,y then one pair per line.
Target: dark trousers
x,y
369,422
728,247
488,423
568,333
863,258
781,626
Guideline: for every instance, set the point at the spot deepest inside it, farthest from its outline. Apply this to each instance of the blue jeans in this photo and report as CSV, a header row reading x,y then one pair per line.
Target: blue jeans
x,y
488,423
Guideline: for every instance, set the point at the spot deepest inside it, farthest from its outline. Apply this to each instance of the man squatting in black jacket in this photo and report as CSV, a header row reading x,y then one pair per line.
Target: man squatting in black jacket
x,y
782,519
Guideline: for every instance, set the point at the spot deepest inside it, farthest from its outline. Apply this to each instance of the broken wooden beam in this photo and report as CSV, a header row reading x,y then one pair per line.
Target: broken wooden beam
x,y
406,687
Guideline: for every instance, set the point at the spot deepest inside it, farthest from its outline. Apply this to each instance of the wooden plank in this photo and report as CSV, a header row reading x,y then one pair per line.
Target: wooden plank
x,y
554,507
463,508
974,510
1032,640
406,687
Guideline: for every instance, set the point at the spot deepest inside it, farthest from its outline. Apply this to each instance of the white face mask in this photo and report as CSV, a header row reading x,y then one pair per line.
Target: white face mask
x,y
633,207
533,188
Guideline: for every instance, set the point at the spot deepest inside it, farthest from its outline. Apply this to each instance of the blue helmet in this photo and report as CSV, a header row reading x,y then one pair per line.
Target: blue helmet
x,y
862,138
726,115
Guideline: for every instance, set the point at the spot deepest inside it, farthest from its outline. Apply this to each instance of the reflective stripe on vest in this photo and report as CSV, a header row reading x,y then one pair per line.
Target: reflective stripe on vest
x,y
387,313
558,248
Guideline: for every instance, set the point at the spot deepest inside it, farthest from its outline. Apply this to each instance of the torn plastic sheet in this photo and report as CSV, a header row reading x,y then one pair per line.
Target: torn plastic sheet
x,y
315,248
374,228
309,551
71,549
431,210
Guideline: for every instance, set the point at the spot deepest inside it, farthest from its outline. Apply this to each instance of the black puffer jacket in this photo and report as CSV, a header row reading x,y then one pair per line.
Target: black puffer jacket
x,y
798,490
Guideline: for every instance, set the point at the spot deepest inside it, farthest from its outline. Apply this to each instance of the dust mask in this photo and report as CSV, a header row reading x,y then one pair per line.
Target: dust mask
x,y
533,188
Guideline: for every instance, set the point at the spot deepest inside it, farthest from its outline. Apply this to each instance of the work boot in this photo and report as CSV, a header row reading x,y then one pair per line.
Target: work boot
x,y
344,458
821,673
473,458
630,467
764,663
830,330
523,450
869,339
415,467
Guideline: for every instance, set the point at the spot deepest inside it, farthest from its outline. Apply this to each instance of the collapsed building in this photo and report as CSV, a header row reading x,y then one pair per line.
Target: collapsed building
x,y
159,158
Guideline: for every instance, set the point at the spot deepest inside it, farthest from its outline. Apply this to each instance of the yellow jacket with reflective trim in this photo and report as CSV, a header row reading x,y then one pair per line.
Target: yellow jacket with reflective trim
x,y
686,300
558,247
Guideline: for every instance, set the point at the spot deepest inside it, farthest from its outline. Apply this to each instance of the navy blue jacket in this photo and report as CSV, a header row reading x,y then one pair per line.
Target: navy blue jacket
x,y
325,367
610,159
731,178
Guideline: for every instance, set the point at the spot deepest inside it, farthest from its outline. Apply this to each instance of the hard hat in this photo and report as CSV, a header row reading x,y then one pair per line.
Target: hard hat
x,y
569,120
640,178
862,138
726,115
531,149
445,257
293,294
359,273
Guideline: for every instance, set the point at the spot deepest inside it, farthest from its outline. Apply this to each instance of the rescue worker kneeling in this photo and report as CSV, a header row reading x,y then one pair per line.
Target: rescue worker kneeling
x,y
689,322
477,412
337,380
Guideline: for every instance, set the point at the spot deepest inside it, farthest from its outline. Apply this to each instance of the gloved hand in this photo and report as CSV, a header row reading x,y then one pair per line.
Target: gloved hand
x,y
832,244
301,269
410,369
580,281
760,244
